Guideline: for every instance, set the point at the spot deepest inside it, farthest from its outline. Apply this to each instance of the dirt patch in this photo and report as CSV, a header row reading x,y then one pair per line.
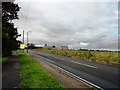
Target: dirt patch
x,y
61,76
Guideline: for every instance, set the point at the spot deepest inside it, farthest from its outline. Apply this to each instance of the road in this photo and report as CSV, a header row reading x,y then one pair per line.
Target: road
x,y
101,75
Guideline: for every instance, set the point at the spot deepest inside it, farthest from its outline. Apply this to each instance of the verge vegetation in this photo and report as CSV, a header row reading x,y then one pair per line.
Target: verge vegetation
x,y
3,59
33,75
106,57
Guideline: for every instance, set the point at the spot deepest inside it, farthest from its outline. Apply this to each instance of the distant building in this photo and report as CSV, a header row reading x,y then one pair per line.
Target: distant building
x,y
45,45
64,47
39,46
54,47
50,47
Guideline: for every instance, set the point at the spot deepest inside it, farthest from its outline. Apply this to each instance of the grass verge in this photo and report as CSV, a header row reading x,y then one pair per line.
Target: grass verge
x,y
33,75
3,59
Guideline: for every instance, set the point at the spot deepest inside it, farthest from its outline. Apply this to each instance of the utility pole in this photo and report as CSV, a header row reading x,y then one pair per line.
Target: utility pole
x,y
27,40
23,36
23,39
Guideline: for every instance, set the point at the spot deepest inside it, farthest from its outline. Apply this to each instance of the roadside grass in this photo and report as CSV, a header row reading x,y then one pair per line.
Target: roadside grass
x,y
33,75
106,57
3,59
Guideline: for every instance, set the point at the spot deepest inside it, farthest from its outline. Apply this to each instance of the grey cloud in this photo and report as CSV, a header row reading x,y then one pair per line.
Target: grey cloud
x,y
66,23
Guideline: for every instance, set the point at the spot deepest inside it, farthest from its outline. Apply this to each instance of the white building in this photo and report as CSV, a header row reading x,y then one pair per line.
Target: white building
x,y
64,47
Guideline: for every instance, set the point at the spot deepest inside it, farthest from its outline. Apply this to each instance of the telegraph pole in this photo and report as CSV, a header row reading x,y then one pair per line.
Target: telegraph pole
x,y
23,39
23,36
27,40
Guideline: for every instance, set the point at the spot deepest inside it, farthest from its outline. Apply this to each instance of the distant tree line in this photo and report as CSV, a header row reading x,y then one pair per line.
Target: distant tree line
x,y
9,32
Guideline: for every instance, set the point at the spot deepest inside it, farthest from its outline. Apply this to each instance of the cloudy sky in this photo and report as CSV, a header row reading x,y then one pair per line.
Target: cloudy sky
x,y
91,25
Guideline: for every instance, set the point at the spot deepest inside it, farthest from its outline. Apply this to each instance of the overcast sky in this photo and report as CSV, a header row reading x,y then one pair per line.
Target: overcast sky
x,y
91,25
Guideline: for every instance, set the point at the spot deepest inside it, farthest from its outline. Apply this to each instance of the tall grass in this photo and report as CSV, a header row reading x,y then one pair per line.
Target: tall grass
x,y
106,57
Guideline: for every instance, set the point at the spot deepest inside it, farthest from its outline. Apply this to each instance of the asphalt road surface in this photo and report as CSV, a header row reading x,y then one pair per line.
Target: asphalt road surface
x,y
104,76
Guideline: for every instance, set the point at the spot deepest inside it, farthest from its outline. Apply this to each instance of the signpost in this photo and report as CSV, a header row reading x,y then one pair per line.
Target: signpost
x,y
22,46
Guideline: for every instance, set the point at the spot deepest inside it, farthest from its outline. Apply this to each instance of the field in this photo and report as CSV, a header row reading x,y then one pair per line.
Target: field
x,y
106,57
33,75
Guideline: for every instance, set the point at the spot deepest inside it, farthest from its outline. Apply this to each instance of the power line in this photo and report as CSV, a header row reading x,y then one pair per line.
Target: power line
x,y
26,21
27,14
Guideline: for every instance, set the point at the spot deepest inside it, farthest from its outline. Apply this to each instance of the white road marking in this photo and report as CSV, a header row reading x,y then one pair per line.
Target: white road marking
x,y
85,64
91,85
75,76
59,58
79,63
73,62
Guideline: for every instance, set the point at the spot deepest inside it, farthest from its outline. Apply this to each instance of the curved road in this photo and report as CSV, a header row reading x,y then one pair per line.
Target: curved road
x,y
104,76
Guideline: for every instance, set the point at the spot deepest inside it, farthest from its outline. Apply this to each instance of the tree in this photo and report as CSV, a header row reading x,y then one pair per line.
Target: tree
x,y
9,32
31,46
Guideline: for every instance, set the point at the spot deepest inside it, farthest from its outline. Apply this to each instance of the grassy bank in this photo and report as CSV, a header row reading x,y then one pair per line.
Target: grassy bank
x,y
106,57
3,59
33,75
